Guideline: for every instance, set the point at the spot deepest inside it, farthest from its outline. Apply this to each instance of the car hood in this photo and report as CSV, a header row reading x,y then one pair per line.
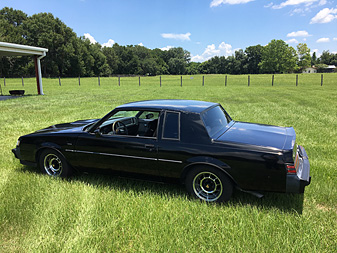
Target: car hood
x,y
260,135
66,127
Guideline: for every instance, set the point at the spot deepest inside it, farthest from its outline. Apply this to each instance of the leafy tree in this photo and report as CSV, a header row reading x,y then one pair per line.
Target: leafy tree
x,y
233,65
304,56
314,59
321,67
254,55
44,30
149,67
100,67
177,66
178,52
11,31
327,58
111,59
11,25
278,57
192,68
241,61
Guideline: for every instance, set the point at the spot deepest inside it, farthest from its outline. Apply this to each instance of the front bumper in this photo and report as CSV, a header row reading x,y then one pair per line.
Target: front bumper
x,y
297,182
17,154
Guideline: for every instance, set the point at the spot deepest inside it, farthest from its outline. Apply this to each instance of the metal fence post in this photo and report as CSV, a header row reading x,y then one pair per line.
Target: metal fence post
x,y
139,81
272,81
181,81
119,81
322,80
248,80
60,81
226,81
99,81
23,84
296,80
79,80
160,80
4,81
203,80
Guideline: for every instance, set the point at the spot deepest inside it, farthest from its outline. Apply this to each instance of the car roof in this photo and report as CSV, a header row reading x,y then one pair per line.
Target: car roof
x,y
170,104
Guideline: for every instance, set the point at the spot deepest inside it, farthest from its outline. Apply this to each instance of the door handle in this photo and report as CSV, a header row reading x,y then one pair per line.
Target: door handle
x,y
150,146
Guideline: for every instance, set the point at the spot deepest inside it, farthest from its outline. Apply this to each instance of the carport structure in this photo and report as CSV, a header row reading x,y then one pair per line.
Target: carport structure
x,y
11,49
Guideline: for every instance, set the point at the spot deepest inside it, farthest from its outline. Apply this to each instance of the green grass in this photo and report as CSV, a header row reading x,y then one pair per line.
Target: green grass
x,y
93,213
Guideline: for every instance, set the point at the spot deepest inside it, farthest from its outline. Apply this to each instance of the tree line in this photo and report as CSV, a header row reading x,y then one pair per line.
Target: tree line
x,y
70,55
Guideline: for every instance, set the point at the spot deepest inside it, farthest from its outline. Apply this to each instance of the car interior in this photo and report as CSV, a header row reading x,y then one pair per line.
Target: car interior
x,y
133,123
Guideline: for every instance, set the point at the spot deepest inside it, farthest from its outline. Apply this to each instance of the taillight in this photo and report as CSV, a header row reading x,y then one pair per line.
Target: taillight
x,y
291,169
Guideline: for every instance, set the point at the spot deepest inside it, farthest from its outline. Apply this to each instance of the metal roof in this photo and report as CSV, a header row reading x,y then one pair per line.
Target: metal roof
x,y
10,49
170,104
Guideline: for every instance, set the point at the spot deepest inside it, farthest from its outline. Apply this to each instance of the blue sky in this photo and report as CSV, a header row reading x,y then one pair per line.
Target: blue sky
x,y
203,27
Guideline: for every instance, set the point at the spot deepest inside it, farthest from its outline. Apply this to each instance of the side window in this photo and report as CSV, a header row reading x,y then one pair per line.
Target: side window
x,y
171,125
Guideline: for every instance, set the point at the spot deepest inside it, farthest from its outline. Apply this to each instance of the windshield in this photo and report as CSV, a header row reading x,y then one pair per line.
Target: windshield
x,y
215,119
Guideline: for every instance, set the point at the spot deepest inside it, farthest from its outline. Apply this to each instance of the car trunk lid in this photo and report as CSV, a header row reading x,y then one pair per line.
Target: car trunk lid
x,y
260,135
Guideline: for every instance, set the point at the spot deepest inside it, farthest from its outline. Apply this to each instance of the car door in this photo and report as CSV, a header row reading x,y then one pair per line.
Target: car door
x,y
170,149
117,152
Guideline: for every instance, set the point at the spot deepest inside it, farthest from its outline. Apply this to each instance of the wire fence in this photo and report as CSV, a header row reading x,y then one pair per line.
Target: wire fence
x,y
262,80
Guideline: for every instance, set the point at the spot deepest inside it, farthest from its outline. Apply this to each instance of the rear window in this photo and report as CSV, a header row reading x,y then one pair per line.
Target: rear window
x,y
215,119
171,125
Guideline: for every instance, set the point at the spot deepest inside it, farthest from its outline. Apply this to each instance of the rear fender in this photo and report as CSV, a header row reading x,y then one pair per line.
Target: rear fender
x,y
206,161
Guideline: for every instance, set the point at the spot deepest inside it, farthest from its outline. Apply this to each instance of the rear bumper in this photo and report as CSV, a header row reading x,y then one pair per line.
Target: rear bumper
x,y
296,183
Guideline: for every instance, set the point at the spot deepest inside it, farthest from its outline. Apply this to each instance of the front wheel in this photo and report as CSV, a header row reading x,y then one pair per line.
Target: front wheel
x,y
54,164
209,184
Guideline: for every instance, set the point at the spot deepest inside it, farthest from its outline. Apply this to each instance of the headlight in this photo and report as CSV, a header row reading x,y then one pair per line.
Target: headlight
x,y
18,143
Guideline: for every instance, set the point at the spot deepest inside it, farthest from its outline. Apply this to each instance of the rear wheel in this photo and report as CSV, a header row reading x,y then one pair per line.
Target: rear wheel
x,y
209,184
54,164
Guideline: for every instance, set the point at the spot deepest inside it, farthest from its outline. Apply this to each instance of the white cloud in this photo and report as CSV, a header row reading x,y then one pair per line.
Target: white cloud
x,y
110,43
305,39
215,3
91,38
322,2
291,41
318,54
268,5
141,44
297,11
176,36
334,39
298,34
167,48
323,40
324,16
211,50
295,2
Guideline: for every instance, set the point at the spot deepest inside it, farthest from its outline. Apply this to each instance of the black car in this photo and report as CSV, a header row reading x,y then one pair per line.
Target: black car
x,y
194,141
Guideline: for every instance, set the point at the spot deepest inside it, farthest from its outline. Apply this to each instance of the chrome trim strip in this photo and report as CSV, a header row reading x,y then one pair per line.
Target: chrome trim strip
x,y
172,161
126,156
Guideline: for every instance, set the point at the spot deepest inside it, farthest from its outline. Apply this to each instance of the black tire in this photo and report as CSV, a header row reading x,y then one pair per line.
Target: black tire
x,y
209,184
53,163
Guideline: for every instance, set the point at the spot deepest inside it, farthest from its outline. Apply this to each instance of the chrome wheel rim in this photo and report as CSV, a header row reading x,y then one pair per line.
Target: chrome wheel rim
x,y
52,165
207,186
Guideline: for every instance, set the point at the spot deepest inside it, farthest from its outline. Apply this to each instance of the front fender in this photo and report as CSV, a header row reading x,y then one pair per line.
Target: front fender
x,y
45,145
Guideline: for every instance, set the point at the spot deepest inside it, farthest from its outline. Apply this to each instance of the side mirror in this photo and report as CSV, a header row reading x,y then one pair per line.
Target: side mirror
x,y
149,116
97,132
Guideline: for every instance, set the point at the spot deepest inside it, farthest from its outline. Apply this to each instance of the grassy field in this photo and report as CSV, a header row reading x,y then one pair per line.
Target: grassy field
x,y
94,213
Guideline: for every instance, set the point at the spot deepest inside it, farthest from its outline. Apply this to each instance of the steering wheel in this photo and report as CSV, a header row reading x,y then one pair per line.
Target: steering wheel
x,y
119,127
